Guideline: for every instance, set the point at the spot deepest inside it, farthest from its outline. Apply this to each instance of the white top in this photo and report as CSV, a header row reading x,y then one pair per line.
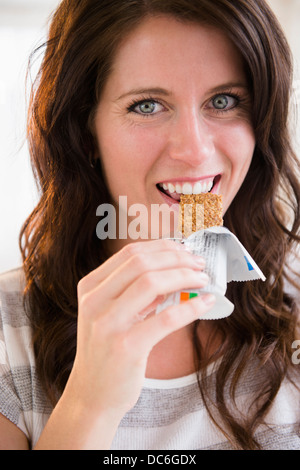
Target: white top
x,y
169,415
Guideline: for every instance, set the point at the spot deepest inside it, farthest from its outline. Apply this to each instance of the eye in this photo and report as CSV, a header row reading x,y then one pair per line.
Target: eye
x,y
145,107
223,102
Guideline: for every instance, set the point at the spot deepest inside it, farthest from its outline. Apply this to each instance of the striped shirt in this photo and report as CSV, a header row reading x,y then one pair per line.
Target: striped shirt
x,y
169,415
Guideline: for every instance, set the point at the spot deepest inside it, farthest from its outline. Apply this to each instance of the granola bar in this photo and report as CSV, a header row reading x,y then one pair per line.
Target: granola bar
x,y
199,211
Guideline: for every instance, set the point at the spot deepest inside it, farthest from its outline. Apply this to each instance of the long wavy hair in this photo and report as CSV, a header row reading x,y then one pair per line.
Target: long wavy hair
x,y
58,240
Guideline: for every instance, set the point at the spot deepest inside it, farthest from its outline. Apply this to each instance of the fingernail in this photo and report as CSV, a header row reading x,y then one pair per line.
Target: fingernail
x,y
208,299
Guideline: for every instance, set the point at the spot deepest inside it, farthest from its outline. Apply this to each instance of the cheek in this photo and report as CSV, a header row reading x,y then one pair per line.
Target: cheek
x,y
135,147
128,155
238,145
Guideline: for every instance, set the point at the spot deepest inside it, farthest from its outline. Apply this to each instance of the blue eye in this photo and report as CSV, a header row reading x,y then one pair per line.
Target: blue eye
x,y
224,102
220,102
145,107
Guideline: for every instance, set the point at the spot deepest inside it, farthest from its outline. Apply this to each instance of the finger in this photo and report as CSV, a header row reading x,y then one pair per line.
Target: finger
x,y
138,265
98,275
146,334
145,290
150,308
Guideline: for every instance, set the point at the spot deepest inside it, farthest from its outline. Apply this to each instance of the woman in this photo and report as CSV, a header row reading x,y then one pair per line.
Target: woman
x,y
132,98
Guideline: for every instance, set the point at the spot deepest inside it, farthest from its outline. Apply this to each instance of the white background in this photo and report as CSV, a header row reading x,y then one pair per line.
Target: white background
x,y
22,28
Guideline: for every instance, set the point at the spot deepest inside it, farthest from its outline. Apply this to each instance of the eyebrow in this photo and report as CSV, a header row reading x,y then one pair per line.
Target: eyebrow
x,y
144,91
162,91
225,86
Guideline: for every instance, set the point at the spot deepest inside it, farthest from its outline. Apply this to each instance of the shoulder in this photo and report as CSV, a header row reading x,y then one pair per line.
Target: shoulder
x,y
13,280
12,284
22,399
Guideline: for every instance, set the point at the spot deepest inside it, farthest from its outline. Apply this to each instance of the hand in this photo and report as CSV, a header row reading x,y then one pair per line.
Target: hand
x,y
115,332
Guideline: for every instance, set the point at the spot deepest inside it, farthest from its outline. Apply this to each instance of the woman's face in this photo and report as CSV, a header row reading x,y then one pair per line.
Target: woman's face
x,y
175,115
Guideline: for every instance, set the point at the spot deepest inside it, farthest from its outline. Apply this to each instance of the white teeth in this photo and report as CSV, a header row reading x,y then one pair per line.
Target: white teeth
x,y
178,188
189,188
198,188
171,188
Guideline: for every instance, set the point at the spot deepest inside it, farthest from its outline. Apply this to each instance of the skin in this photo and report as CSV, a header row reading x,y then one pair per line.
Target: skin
x,y
117,329
186,136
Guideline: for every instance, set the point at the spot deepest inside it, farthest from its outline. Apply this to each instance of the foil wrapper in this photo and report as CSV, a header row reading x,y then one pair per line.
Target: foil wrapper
x,y
226,259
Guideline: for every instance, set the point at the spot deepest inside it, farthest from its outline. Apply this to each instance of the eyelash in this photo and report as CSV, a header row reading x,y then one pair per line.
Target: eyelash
x,y
236,96
135,103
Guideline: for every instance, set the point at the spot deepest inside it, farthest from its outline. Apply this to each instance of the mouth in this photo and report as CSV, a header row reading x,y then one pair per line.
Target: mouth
x,y
173,190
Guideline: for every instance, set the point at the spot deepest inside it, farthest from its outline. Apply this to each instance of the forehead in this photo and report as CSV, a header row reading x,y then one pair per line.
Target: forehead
x,y
163,49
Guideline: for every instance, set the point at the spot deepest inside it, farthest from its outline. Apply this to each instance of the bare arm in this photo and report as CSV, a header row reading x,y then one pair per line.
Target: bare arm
x,y
11,437
115,337
71,427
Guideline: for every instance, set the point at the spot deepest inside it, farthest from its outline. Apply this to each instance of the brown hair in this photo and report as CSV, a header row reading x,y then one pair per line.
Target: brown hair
x,y
58,240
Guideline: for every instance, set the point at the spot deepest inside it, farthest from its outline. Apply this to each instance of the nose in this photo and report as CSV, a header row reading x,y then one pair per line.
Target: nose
x,y
191,139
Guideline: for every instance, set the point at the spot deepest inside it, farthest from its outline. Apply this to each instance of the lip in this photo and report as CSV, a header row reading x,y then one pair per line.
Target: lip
x,y
173,202
169,200
188,179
